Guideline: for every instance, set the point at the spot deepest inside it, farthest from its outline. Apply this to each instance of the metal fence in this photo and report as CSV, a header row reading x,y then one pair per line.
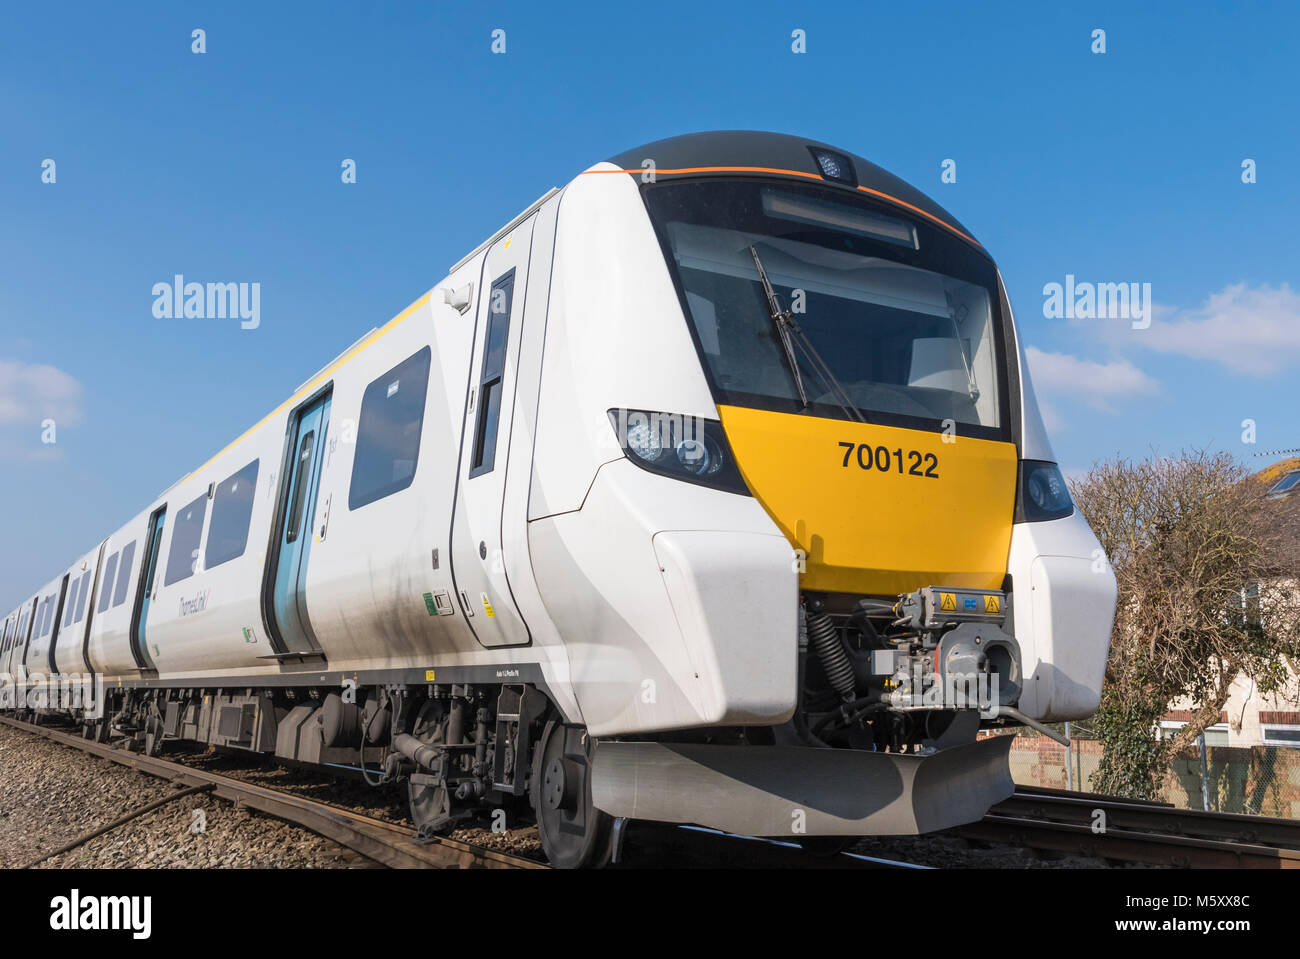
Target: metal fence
x,y
1256,780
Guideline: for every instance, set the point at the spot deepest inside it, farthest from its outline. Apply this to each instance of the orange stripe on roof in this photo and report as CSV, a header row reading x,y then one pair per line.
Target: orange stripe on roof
x,y
807,176
720,169
917,209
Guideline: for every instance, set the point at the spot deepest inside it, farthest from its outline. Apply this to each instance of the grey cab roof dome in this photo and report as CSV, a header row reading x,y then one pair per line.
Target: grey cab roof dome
x,y
728,152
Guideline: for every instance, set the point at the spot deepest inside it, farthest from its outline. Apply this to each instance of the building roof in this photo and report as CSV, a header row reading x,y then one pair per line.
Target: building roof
x,y
1283,477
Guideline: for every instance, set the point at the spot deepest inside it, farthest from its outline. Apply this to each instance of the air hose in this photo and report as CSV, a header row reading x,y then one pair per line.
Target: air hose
x,y
825,642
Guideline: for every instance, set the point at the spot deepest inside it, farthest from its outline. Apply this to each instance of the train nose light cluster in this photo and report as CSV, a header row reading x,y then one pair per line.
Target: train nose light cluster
x,y
834,166
700,457
683,447
1043,492
643,440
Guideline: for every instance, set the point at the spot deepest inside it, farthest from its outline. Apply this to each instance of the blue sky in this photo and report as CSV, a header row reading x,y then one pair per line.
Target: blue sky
x,y
1115,167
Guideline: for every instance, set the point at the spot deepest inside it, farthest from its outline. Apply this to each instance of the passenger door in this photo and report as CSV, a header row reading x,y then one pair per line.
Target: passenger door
x,y
18,648
145,593
40,653
478,564
11,627
289,589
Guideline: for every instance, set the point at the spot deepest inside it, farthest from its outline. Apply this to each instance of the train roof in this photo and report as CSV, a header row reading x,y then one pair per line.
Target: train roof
x,y
727,152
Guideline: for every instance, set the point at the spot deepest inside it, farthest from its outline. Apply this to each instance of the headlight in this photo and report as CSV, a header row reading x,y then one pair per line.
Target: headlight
x,y
683,447
1042,494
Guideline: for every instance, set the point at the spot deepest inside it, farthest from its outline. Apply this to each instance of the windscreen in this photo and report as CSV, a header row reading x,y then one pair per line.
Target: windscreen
x,y
894,321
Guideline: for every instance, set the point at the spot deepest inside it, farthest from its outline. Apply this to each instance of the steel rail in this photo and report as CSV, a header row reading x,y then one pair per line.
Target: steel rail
x,y
119,821
1138,831
375,839
1146,816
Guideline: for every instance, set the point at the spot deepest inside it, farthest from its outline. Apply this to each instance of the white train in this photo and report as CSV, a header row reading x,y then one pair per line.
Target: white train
x,y
710,489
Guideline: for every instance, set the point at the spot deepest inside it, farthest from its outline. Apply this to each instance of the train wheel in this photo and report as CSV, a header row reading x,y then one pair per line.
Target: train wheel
x,y
574,833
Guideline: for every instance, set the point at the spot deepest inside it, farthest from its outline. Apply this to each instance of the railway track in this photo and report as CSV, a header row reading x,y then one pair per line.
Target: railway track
x,y
1129,830
388,843
377,840
1104,827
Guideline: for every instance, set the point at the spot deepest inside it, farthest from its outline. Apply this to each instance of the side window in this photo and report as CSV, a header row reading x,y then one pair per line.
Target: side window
x,y
42,618
183,558
491,379
232,509
388,434
81,595
124,574
70,602
106,584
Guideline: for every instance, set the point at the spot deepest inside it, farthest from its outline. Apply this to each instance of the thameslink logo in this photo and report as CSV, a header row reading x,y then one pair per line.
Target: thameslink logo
x,y
208,301
1098,301
196,605
105,913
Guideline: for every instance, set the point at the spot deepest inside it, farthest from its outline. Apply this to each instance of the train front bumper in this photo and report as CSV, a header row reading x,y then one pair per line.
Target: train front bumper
x,y
793,791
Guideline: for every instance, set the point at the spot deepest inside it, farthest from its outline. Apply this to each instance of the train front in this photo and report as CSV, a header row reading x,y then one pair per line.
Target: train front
x,y
835,545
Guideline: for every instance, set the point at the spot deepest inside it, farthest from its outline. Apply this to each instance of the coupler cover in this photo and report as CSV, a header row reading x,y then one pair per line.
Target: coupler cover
x,y
789,791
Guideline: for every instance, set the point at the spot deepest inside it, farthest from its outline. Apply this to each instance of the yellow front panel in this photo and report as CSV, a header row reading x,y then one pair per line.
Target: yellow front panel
x,y
868,524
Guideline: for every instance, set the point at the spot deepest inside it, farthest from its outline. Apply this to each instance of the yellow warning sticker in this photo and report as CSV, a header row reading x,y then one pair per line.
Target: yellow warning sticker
x,y
948,602
991,604
487,606
428,675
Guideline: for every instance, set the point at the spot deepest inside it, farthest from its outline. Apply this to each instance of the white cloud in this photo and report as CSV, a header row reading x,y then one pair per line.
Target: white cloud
x,y
33,392
1246,329
1098,385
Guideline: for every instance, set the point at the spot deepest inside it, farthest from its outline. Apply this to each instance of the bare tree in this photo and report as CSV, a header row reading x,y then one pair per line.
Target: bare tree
x,y
1208,571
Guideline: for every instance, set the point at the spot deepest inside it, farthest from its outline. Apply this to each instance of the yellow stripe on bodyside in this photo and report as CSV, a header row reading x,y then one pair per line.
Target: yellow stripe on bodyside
x,y
864,529
312,384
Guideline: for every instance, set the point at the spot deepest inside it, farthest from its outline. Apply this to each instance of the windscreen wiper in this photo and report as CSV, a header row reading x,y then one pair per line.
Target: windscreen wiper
x,y
784,324
790,334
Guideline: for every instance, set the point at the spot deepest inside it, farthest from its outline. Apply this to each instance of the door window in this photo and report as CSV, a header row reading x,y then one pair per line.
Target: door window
x,y
491,380
305,449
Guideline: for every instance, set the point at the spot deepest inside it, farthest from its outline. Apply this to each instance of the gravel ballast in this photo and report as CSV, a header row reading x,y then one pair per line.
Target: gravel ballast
x,y
51,794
